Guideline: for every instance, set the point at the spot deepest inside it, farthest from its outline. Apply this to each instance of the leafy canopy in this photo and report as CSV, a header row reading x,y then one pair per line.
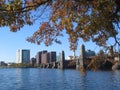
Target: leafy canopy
x,y
95,20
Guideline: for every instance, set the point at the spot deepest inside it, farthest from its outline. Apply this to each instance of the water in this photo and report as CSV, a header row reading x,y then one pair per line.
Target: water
x,y
56,79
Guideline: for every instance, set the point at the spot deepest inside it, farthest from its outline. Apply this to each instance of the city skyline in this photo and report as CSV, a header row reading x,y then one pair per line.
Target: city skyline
x,y
10,42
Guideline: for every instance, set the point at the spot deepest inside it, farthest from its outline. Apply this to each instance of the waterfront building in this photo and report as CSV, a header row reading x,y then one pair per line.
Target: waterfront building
x,y
89,53
59,57
33,61
45,58
62,56
2,63
48,57
52,56
38,58
23,56
62,60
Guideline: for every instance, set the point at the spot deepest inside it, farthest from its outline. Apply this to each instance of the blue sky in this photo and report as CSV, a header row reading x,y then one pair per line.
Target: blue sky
x,y
10,42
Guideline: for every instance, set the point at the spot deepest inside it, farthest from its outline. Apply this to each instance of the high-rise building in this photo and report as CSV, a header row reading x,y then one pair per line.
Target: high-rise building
x,y
38,57
52,56
62,60
45,58
23,56
48,57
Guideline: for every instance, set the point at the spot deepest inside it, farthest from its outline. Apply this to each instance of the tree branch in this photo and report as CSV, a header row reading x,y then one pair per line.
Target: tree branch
x,y
26,8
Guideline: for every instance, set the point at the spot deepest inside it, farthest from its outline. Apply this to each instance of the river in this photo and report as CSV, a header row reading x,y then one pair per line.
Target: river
x,y
56,79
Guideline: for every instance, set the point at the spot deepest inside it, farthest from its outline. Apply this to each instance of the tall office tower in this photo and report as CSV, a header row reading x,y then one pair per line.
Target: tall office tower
x,y
38,57
23,56
63,56
44,57
62,60
52,56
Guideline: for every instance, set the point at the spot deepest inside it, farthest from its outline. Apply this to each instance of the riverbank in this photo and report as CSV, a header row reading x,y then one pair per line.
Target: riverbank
x,y
71,65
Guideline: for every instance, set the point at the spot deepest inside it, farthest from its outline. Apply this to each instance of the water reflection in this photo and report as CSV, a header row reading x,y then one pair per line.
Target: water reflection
x,y
56,79
22,78
116,80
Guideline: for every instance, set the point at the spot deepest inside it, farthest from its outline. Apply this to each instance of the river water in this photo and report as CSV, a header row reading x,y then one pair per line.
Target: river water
x,y
56,79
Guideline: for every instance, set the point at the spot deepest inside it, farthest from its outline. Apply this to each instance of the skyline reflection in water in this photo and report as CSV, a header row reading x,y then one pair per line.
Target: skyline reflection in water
x,y
56,79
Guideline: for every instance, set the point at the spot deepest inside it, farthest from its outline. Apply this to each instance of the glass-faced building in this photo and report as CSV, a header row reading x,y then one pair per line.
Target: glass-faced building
x,y
23,56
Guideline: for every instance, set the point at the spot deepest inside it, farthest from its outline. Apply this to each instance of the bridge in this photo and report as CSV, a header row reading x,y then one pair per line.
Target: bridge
x,y
62,63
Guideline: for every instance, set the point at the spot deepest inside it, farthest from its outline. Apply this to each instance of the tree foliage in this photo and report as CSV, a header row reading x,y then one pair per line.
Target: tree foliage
x,y
95,20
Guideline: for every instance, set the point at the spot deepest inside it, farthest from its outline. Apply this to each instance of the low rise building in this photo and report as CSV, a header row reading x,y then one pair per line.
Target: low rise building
x,y
2,63
32,61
